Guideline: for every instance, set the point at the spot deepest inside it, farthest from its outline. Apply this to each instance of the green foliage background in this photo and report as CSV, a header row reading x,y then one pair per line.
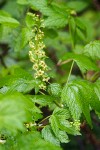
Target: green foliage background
x,y
66,114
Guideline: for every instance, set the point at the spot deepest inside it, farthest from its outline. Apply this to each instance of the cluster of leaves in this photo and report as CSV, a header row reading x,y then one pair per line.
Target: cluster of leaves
x,y
23,121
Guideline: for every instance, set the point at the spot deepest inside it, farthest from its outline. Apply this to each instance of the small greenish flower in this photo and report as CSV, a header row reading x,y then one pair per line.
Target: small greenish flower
x,y
43,65
40,72
35,66
46,79
42,54
76,124
42,86
31,44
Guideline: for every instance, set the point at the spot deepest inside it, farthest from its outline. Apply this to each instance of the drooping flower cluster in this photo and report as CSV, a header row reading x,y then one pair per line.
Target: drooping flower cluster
x,y
76,124
37,54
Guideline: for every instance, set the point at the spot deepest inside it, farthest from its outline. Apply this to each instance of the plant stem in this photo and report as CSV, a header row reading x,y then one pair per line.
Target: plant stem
x,y
64,62
70,71
58,104
44,119
95,76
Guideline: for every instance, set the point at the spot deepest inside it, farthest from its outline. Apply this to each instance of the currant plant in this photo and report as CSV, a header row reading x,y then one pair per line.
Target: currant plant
x,y
49,73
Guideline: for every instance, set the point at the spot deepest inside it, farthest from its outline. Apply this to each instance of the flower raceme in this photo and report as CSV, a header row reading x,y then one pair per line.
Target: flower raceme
x,y
37,54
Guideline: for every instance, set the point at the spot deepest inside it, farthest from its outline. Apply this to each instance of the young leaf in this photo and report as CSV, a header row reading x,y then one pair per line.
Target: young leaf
x,y
93,50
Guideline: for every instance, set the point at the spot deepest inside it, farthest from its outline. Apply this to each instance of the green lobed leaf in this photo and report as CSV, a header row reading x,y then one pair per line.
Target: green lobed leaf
x,y
80,24
78,29
43,100
81,35
16,13
26,35
66,126
49,136
79,95
55,89
13,112
97,88
81,28
34,141
6,19
84,62
77,5
20,81
96,103
61,113
57,16
38,4
22,40
69,98
54,124
30,22
47,9
55,21
59,133
93,50
60,125
63,137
